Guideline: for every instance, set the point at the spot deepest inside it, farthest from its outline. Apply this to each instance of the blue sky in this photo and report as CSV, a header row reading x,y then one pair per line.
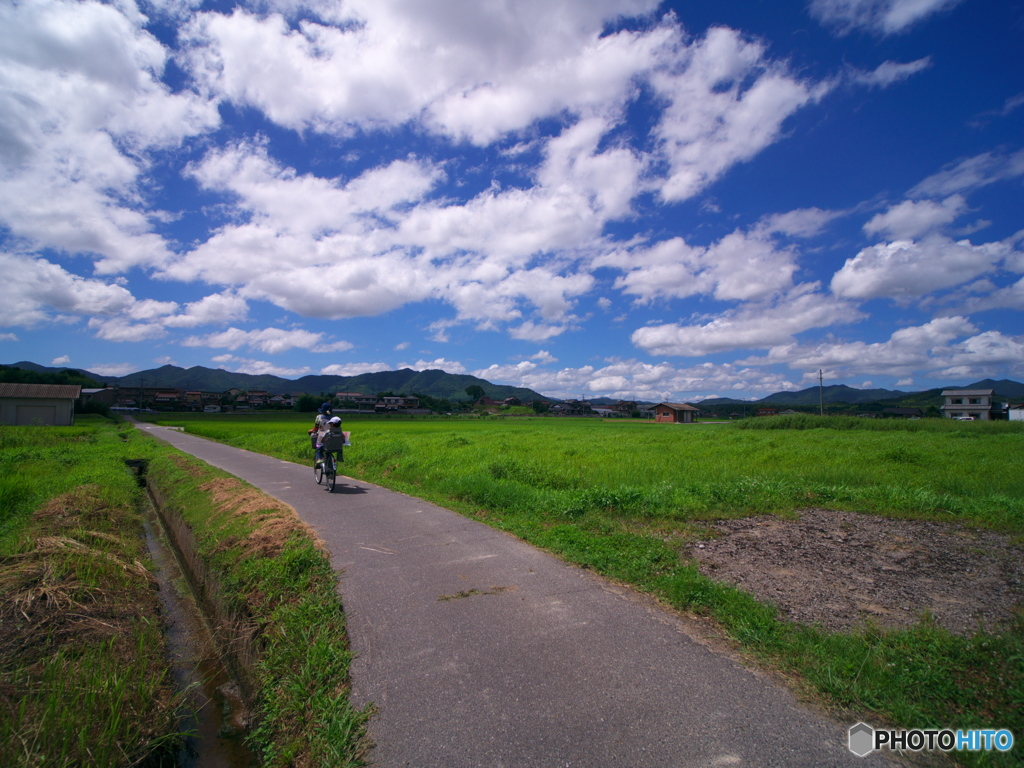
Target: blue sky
x,y
616,198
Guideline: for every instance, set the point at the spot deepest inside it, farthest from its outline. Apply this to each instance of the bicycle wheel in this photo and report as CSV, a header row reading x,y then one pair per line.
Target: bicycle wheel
x,y
318,472
331,473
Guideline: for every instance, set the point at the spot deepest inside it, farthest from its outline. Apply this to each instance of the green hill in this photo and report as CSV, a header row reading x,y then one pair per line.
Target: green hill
x,y
1012,390
29,373
835,393
434,383
1005,389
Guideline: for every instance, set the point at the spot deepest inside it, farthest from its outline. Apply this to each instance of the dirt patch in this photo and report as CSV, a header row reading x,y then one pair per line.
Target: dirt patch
x,y
842,569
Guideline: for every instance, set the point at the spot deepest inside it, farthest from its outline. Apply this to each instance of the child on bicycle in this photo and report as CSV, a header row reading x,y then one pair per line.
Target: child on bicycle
x,y
331,427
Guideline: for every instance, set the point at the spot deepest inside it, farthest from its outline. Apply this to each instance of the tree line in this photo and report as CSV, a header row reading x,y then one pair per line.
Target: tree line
x,y
12,375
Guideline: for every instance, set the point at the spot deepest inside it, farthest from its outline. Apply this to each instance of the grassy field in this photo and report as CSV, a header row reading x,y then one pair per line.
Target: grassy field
x,y
566,468
84,676
624,498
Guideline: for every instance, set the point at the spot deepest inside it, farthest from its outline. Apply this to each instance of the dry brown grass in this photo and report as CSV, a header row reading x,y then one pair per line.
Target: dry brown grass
x,y
82,506
273,522
188,466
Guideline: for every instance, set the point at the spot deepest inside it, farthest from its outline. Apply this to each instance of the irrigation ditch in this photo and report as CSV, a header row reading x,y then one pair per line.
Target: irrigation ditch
x,y
212,653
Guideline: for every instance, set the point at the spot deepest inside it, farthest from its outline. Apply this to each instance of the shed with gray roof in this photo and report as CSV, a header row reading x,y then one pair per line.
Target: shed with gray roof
x,y
51,405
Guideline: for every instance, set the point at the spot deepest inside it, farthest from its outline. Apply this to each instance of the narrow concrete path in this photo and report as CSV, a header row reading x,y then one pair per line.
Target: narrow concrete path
x,y
480,651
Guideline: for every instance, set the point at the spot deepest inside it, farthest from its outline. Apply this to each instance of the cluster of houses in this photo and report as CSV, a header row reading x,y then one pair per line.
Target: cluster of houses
x,y
162,398
54,404
675,412
960,404
168,398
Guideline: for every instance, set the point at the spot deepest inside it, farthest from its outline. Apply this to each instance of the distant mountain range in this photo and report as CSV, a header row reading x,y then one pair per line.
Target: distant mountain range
x,y
840,393
434,383
452,386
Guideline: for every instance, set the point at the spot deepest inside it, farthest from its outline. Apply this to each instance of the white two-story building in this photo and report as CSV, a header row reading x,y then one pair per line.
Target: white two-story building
x,y
975,403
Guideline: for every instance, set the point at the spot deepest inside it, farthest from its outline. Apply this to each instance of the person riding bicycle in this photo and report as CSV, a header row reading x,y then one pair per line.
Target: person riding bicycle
x,y
323,413
323,416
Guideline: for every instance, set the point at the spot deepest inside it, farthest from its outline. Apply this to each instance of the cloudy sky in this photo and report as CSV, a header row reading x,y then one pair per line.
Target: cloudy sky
x,y
586,197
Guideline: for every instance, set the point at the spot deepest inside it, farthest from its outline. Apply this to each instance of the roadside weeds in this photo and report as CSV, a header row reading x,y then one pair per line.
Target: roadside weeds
x,y
84,675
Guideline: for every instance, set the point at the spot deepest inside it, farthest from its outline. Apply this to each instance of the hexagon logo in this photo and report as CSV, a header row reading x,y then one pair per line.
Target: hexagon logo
x,y
862,739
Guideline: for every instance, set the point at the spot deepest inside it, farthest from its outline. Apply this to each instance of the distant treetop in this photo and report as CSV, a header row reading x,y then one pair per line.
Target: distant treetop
x,y
10,375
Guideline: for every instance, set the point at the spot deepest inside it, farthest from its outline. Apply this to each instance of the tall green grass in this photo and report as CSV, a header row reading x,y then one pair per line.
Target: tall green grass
x,y
91,706
84,678
964,472
810,421
38,463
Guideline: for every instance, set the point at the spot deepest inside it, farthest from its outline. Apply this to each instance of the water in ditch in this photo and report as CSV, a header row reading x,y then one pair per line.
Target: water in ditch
x,y
217,724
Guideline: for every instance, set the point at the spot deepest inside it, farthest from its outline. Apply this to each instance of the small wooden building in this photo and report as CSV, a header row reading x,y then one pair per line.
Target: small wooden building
x,y
675,413
51,405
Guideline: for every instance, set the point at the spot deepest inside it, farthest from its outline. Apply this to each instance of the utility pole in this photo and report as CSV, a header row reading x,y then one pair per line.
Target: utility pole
x,y
821,392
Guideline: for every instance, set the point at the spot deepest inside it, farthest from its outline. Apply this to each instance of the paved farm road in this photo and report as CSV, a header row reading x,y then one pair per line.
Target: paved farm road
x,y
481,651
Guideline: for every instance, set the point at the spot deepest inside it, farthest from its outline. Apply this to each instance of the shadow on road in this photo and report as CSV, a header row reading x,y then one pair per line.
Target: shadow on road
x,y
349,490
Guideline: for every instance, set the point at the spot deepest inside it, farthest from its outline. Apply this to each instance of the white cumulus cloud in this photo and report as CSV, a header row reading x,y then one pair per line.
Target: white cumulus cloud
x,y
81,107
448,366
470,70
750,265
751,326
906,269
947,346
725,103
638,380
354,369
37,291
886,17
269,340
258,367
913,218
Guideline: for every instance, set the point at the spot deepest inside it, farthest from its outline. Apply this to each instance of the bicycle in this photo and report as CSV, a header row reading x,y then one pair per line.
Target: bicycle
x,y
327,470
333,452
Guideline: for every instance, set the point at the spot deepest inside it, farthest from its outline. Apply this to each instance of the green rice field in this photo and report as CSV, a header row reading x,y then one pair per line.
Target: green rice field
x,y
568,468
